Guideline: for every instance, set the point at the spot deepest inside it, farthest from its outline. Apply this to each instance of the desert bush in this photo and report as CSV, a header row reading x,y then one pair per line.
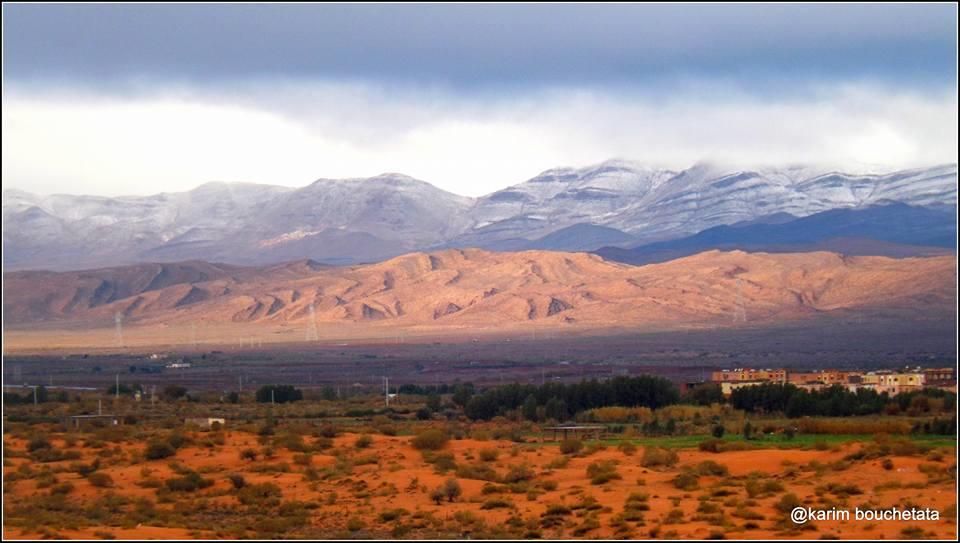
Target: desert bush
x,y
157,450
558,462
441,461
787,503
518,473
757,488
709,467
658,456
686,480
328,431
248,454
432,439
355,524
237,480
100,479
303,459
188,483
602,472
489,455
571,446
364,441
261,494
481,472
497,503
37,443
627,448
674,516
293,442
63,488
391,515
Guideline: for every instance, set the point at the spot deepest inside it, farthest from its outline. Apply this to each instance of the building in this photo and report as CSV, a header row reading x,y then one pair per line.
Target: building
x,y
727,387
824,378
748,374
939,377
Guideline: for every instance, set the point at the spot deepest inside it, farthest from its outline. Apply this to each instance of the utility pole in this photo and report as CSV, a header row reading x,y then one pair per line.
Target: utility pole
x,y
116,388
34,395
273,400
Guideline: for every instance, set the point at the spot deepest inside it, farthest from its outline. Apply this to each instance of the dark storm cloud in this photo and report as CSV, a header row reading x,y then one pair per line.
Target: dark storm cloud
x,y
477,45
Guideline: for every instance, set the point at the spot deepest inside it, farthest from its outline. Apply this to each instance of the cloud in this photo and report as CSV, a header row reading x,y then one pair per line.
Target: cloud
x,y
480,45
176,137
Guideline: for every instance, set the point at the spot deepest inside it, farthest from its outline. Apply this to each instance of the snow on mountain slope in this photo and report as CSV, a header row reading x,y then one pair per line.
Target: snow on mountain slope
x,y
363,220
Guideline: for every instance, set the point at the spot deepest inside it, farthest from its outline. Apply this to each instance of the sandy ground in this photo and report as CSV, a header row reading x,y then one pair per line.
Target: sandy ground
x,y
401,479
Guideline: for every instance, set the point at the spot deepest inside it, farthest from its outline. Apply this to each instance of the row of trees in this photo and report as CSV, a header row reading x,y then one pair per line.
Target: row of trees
x,y
836,401
559,401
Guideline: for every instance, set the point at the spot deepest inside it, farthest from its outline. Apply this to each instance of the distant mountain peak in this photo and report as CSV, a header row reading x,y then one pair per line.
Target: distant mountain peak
x,y
369,219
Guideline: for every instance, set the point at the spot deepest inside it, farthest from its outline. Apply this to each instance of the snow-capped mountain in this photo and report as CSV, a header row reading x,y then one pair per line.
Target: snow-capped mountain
x,y
358,220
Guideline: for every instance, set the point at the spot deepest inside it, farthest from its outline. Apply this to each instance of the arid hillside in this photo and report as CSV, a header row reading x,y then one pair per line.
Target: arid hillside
x,y
467,288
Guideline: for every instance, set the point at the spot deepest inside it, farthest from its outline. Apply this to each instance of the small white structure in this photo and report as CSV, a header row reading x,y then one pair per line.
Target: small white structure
x,y
205,422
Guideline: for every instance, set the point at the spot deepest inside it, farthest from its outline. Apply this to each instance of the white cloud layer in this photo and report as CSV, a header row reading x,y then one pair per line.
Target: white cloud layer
x,y
175,138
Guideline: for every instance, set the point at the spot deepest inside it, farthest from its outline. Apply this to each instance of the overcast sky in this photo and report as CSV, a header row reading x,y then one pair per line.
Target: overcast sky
x,y
138,99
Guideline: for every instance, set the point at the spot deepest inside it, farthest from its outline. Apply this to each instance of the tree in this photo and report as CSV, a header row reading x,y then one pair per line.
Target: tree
x,y
278,394
462,394
530,408
451,489
433,402
328,393
747,430
556,409
233,397
718,431
705,394
671,426
173,392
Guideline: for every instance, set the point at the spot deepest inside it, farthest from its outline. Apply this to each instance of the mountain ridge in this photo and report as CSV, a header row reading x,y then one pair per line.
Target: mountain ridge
x,y
368,219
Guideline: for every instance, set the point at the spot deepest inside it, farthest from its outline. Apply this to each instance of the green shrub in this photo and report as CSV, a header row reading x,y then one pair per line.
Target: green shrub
x,y
188,483
363,442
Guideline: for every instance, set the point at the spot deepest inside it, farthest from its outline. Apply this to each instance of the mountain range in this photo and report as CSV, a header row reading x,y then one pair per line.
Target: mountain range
x,y
617,203
469,290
